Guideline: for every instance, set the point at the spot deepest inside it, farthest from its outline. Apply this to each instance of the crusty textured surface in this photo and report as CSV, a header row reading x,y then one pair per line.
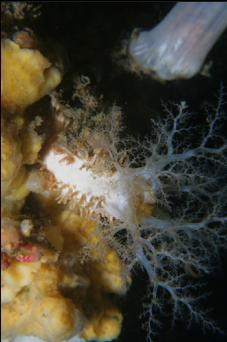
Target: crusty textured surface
x,y
54,281
26,76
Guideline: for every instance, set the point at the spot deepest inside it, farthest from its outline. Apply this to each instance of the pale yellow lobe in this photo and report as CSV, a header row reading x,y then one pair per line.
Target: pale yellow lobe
x,y
26,76
16,277
104,327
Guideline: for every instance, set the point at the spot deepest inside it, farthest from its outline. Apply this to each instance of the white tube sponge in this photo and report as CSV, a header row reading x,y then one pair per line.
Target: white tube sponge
x,y
177,47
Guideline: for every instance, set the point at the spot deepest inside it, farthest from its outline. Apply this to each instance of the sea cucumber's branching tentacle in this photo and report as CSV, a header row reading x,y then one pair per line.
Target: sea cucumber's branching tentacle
x,y
165,216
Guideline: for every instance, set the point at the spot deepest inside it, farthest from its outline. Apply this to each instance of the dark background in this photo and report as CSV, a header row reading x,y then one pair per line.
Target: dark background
x,y
85,34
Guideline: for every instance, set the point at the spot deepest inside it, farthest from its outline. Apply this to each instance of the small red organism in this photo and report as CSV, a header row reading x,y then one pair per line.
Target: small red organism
x,y
28,253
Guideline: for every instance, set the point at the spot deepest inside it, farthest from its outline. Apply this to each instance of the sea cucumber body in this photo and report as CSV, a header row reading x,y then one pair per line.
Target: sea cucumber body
x,y
111,195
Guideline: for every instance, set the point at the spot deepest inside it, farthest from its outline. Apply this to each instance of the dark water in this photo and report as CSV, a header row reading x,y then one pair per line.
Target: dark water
x,y
85,34
89,33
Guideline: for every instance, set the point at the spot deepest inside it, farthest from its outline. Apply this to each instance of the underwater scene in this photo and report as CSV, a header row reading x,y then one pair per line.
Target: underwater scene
x,y
113,171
